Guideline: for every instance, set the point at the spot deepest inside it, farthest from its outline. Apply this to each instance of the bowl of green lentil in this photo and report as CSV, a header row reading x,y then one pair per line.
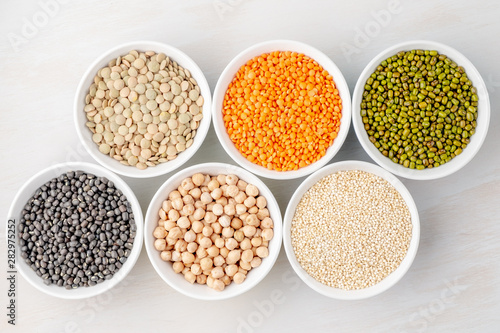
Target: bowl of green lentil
x,y
351,230
421,110
78,228
142,109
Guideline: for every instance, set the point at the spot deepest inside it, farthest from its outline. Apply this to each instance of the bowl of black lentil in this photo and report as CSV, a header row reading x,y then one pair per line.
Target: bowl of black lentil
x,y
79,230
421,110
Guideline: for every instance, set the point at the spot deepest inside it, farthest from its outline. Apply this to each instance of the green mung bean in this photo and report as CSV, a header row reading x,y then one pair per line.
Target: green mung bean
x,y
419,108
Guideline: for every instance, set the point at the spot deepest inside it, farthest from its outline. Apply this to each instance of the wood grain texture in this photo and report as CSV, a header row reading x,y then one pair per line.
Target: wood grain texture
x,y
453,284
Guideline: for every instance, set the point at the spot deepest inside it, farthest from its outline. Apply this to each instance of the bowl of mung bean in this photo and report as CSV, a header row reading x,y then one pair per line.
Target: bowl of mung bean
x,y
78,228
213,231
421,110
142,109
281,109
351,230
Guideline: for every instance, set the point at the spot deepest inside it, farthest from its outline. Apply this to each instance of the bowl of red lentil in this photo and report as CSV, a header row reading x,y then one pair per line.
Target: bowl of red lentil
x,y
351,230
281,109
213,231
421,110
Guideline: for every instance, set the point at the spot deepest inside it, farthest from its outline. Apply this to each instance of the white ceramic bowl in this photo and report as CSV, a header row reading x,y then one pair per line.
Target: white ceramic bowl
x,y
392,278
475,141
27,191
228,75
85,134
177,281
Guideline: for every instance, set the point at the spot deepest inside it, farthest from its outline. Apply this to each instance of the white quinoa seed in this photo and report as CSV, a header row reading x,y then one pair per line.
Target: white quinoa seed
x,y
351,230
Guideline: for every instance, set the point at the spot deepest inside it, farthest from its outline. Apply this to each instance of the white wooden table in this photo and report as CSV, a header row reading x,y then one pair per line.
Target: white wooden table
x,y
454,283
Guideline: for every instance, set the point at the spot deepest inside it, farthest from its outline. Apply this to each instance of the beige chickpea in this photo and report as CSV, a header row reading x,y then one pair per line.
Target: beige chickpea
x,y
221,179
207,180
238,278
231,201
240,197
206,264
218,285
187,258
213,237
227,232
199,204
166,205
162,214
219,261
230,209
178,266
242,271
233,256
226,279
267,222
219,242
231,179
190,236
267,234
256,261
224,252
197,179
236,223
213,184
240,209
217,272
262,251
207,231
232,191
249,230
180,245
166,255
206,198
187,199
253,210
256,241
204,189
195,193
173,195
196,269
160,232
231,269
187,184
173,215
210,217
245,244
201,279
252,220
217,227
213,251
183,222
205,242
186,269
198,214
160,244
238,235
222,201
188,210
176,256
197,226
177,203
192,247
175,233
224,190
161,223
245,265
247,255
210,206
242,185
231,244
216,193
171,241
210,280
201,252
224,221
218,210
261,202
252,190
263,213
249,202
182,191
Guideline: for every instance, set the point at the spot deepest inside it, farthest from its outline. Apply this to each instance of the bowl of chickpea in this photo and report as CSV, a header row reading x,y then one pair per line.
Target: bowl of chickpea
x,y
213,231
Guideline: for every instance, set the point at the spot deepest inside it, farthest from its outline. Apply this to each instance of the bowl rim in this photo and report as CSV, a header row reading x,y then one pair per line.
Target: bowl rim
x,y
181,285
388,281
483,112
176,55
40,178
265,47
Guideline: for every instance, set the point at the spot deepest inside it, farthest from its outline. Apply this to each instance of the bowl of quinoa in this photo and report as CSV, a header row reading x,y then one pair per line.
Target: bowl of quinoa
x,y
351,230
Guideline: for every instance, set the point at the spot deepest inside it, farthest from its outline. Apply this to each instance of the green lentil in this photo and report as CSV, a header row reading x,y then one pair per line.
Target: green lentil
x,y
419,108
